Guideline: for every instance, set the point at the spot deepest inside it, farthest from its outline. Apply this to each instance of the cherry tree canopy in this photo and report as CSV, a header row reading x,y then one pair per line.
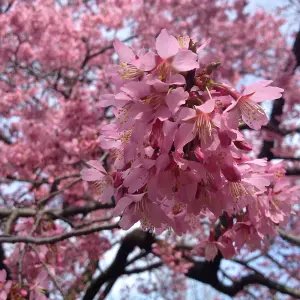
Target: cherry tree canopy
x,y
132,125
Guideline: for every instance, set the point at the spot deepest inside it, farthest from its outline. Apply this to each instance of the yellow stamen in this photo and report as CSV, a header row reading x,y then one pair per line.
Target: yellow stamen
x,y
126,135
203,126
177,208
237,190
130,71
100,185
155,99
163,70
184,41
250,109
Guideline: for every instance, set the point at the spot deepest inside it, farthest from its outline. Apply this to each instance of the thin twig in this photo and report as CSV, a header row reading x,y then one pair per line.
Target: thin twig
x,y
48,271
46,199
20,262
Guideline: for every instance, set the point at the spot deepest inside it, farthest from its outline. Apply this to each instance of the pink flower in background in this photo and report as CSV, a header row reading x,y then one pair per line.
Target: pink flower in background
x,y
37,289
5,285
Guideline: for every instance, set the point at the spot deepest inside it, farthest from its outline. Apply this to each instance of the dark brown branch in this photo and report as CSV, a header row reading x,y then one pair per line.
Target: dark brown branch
x,y
57,238
294,172
53,194
287,158
204,271
136,238
107,289
289,237
259,278
277,110
57,212
144,269
5,139
296,49
111,46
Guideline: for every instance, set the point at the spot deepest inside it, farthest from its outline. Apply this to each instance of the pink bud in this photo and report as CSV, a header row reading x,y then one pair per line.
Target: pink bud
x,y
231,173
199,154
23,292
243,145
118,180
156,135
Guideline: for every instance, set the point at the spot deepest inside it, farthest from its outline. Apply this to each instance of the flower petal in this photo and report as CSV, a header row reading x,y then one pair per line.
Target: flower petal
x,y
176,98
97,165
183,136
124,52
185,60
166,45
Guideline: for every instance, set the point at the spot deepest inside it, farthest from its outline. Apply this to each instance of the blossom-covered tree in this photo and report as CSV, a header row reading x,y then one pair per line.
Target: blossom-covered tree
x,y
128,113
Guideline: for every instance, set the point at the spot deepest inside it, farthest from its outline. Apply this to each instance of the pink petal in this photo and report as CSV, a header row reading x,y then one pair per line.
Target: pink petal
x,y
227,249
146,62
91,175
183,136
136,179
185,60
208,106
163,113
2,275
176,98
162,162
233,117
107,100
262,91
97,165
177,79
160,86
121,205
136,89
267,93
252,114
108,192
124,52
169,130
211,251
186,113
166,45
256,86
129,218
258,182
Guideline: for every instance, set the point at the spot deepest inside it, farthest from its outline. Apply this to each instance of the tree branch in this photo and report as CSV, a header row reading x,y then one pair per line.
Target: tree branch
x,y
136,238
289,237
55,239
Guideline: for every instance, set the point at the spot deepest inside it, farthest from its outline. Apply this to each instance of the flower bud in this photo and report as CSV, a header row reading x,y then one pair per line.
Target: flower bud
x,y
231,173
199,154
243,145
156,135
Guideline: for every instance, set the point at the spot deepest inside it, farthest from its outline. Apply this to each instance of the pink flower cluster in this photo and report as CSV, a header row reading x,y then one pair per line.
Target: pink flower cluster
x,y
5,286
171,257
178,153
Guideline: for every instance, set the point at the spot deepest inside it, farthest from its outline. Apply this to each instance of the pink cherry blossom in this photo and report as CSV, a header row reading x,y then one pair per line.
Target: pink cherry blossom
x,y
168,48
103,182
246,104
